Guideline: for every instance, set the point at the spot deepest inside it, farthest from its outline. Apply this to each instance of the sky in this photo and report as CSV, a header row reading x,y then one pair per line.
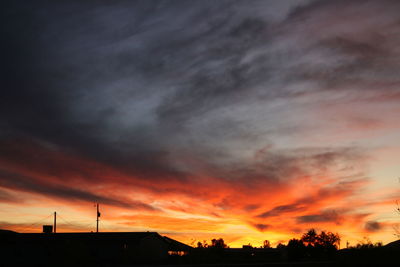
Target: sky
x,y
245,120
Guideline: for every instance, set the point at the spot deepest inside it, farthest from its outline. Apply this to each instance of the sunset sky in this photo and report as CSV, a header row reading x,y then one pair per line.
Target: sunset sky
x,y
246,120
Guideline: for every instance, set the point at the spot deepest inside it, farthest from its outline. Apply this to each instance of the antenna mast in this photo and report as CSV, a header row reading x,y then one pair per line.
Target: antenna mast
x,y
55,222
97,218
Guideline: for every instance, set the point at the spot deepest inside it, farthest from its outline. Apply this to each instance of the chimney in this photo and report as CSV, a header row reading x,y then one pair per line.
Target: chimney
x,y
47,229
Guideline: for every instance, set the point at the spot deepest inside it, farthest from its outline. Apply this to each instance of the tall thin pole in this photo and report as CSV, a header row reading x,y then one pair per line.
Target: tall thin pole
x,y
55,222
97,218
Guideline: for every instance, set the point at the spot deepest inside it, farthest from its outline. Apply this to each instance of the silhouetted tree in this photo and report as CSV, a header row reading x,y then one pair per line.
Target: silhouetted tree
x,y
295,243
281,246
314,245
310,237
218,243
202,244
324,239
367,244
328,240
266,244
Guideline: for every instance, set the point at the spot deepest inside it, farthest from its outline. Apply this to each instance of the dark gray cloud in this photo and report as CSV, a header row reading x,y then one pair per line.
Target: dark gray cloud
x,y
165,90
70,192
373,226
281,210
358,48
261,227
326,216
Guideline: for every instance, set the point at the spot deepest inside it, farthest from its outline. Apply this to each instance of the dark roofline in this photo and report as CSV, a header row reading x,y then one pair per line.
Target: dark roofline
x,y
82,234
7,232
176,244
92,235
128,236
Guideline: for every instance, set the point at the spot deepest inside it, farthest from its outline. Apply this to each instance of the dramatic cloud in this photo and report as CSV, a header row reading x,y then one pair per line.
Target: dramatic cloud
x,y
373,226
265,116
327,216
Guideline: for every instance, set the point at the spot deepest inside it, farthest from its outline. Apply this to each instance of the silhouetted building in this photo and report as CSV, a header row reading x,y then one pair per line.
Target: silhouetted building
x,y
74,247
47,229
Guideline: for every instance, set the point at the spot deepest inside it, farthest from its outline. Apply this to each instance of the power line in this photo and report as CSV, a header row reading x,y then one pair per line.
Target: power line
x,y
74,224
37,222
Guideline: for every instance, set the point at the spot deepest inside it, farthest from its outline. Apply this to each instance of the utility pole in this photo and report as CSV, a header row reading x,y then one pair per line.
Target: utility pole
x,y
55,222
97,218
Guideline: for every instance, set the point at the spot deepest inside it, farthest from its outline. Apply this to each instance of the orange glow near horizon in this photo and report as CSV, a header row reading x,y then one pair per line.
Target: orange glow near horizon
x,y
190,212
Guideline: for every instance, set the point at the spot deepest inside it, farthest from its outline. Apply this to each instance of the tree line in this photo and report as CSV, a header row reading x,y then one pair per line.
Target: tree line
x,y
312,245
308,239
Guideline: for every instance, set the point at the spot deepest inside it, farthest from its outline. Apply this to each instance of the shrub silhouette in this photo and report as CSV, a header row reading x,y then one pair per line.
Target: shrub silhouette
x,y
218,243
327,240
313,245
266,244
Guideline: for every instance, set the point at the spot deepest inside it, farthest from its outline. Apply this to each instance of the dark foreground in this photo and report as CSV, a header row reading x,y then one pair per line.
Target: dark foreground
x,y
372,257
152,249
